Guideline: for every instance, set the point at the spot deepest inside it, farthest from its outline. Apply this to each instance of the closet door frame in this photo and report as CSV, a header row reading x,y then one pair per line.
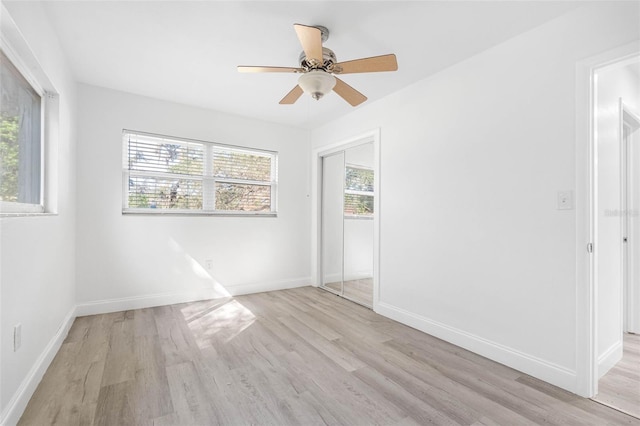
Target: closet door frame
x,y
372,136
323,225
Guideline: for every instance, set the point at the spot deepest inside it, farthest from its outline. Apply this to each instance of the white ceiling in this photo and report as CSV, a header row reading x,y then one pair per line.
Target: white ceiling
x,y
187,52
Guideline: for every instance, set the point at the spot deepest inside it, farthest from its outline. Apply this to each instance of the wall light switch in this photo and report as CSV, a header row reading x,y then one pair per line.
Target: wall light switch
x,y
565,200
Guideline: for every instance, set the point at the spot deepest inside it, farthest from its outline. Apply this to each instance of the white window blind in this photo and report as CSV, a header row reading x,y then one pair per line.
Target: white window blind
x,y
358,193
172,175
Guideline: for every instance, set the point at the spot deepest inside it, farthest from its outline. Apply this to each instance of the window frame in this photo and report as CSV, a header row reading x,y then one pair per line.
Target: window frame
x,y
207,178
356,192
12,208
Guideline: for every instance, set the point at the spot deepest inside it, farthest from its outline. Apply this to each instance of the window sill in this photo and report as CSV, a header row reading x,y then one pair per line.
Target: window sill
x,y
146,212
357,217
6,215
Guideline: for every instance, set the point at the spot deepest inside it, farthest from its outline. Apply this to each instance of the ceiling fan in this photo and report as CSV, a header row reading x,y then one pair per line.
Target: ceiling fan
x,y
318,66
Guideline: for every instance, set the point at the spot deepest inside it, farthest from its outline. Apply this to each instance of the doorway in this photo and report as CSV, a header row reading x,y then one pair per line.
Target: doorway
x,y
348,221
617,234
630,141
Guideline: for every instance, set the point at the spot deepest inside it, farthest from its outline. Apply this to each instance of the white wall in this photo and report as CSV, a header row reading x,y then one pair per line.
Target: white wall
x,y
473,248
148,260
37,267
612,84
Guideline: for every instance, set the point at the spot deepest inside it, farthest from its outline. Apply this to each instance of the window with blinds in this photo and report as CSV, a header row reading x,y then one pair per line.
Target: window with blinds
x,y
21,142
170,175
358,192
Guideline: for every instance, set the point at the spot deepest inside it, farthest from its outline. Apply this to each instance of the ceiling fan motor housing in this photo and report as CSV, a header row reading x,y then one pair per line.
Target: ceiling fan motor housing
x,y
328,60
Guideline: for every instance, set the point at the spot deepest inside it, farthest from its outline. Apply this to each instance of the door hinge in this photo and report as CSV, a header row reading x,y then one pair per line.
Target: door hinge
x,y
590,248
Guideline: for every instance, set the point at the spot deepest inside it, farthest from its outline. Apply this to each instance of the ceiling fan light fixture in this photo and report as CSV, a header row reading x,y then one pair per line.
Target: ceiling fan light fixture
x,y
317,83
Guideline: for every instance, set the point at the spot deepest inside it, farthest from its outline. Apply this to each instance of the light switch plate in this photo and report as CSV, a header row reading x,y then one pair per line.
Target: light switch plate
x,y
565,200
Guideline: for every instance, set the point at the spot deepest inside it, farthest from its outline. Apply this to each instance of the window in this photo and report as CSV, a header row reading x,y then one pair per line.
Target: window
x,y
358,191
171,175
20,142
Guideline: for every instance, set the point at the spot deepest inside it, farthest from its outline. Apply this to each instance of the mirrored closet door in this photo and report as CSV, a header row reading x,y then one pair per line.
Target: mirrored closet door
x,y
347,223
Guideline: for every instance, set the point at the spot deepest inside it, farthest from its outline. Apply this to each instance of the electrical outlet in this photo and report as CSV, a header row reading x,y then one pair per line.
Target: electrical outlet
x,y
209,264
17,337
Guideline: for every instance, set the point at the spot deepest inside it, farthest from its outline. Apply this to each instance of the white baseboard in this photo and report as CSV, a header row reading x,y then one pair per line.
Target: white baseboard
x,y
152,300
146,301
358,275
20,399
261,287
539,368
609,358
348,276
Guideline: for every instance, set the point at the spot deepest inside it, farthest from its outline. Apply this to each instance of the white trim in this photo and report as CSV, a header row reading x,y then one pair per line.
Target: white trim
x,y
21,54
184,212
220,146
536,367
610,358
250,288
12,413
586,225
106,306
372,136
631,306
13,208
162,299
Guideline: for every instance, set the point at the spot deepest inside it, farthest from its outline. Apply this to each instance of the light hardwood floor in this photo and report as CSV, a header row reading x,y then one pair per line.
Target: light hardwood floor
x,y
620,387
360,291
293,357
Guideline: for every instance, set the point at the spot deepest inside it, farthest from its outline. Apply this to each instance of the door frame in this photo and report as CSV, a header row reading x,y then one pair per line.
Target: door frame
x,y
587,248
323,157
629,119
371,136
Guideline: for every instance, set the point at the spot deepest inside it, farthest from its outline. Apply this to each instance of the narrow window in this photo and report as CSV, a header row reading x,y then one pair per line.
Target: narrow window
x,y
173,175
20,142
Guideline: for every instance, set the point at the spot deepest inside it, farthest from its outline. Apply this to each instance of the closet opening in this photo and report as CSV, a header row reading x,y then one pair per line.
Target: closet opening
x,y
347,222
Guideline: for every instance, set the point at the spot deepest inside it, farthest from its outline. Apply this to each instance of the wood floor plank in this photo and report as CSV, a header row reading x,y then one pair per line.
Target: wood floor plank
x,y
120,365
620,387
192,403
420,411
295,357
432,387
337,355
113,407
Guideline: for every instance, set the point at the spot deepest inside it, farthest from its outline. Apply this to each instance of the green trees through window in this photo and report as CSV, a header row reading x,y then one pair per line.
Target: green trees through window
x,y
9,158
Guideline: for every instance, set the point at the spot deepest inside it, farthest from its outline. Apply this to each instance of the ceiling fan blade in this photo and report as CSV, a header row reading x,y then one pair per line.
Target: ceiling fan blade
x,y
244,68
292,96
373,64
348,93
311,41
